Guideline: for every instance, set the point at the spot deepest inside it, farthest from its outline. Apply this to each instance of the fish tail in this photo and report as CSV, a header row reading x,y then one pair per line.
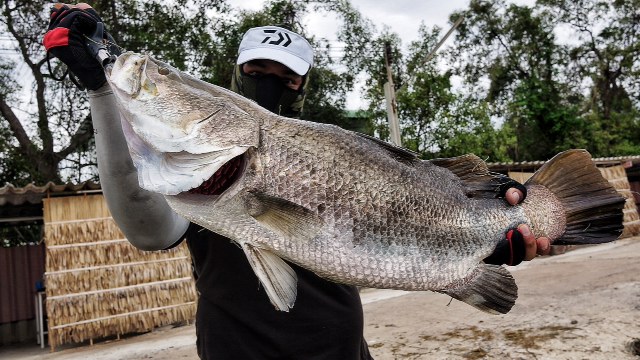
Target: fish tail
x,y
593,209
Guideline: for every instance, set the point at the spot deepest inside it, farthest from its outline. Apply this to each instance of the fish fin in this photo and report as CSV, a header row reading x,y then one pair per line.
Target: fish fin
x,y
490,288
479,182
593,208
288,219
278,278
401,154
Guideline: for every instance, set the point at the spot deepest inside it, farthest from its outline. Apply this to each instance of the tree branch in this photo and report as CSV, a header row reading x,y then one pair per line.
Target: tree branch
x,y
43,123
514,59
27,147
80,138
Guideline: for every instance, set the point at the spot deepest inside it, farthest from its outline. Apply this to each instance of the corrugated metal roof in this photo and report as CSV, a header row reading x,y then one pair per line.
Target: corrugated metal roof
x,y
23,205
531,165
33,194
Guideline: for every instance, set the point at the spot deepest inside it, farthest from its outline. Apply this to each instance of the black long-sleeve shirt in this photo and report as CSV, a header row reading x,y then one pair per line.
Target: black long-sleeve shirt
x,y
236,320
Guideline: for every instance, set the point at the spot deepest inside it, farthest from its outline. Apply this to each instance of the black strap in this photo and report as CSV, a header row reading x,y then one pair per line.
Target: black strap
x,y
66,71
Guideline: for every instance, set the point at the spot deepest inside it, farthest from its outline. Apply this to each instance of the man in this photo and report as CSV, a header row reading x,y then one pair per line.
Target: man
x,y
235,319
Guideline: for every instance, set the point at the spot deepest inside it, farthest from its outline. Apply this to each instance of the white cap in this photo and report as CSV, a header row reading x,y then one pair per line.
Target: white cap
x,y
277,44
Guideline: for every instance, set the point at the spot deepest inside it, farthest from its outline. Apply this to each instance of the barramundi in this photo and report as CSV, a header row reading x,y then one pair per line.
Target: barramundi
x,y
349,207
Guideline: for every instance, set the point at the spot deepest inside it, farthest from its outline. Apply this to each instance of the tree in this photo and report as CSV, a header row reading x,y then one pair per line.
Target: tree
x,y
435,119
326,95
52,141
438,120
515,72
514,49
51,138
606,58
34,142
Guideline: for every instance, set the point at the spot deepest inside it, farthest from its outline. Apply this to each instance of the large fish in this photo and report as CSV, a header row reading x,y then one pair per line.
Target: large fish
x,y
348,207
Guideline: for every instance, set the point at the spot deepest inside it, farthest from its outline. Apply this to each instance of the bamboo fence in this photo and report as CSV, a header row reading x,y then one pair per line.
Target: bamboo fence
x,y
617,176
100,286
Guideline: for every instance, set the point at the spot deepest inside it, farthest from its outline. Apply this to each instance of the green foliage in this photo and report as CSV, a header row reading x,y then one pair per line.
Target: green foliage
x,y
50,134
182,33
544,122
518,56
25,234
607,59
12,166
328,87
536,81
469,130
52,141
435,120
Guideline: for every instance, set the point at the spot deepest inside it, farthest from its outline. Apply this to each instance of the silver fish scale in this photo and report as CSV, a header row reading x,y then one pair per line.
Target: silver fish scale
x,y
386,224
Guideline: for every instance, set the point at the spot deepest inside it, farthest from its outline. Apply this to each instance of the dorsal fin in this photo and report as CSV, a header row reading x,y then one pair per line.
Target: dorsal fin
x,y
479,182
396,152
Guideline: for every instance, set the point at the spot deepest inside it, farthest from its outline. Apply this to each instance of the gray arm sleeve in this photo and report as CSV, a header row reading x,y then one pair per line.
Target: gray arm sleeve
x,y
145,217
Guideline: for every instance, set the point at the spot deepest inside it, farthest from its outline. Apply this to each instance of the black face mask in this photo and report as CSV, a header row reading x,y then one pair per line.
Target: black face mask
x,y
269,92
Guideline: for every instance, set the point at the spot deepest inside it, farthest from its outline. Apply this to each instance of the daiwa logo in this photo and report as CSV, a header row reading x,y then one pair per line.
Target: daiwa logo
x,y
276,37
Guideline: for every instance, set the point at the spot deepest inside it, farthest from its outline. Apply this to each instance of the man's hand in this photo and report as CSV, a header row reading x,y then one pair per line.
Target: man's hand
x,y
72,30
533,246
520,244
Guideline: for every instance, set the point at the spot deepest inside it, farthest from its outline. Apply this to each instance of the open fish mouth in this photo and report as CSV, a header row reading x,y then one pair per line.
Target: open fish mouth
x,y
222,179
130,76
182,135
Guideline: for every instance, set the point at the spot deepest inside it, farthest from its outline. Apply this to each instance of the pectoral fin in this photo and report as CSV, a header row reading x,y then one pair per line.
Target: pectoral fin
x,y
490,288
277,277
285,218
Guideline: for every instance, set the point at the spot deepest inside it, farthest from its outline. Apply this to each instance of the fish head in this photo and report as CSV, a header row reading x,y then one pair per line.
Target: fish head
x,y
180,130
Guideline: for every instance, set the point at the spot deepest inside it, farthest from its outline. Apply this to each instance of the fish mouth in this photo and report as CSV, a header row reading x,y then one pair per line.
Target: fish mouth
x,y
128,74
222,179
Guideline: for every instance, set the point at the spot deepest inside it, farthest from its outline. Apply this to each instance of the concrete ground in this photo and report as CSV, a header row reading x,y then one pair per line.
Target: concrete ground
x,y
584,304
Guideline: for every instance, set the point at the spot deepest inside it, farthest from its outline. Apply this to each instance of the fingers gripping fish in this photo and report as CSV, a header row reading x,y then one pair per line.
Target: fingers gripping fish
x,y
349,207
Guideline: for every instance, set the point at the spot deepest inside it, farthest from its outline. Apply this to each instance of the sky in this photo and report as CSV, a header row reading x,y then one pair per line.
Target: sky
x,y
402,16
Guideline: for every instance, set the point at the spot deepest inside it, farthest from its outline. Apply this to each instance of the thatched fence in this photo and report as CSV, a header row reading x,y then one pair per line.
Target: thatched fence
x,y
98,285
617,176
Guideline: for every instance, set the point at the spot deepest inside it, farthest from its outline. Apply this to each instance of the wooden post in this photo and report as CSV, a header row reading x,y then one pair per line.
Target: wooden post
x,y
433,52
390,96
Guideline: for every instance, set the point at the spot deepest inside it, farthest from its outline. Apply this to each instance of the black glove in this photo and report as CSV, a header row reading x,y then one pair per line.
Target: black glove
x,y
73,36
510,251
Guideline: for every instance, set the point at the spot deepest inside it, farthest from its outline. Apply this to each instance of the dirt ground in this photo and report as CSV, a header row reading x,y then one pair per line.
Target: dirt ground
x,y
584,304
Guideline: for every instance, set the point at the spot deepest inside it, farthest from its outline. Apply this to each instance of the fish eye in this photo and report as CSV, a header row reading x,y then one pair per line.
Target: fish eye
x,y
163,71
